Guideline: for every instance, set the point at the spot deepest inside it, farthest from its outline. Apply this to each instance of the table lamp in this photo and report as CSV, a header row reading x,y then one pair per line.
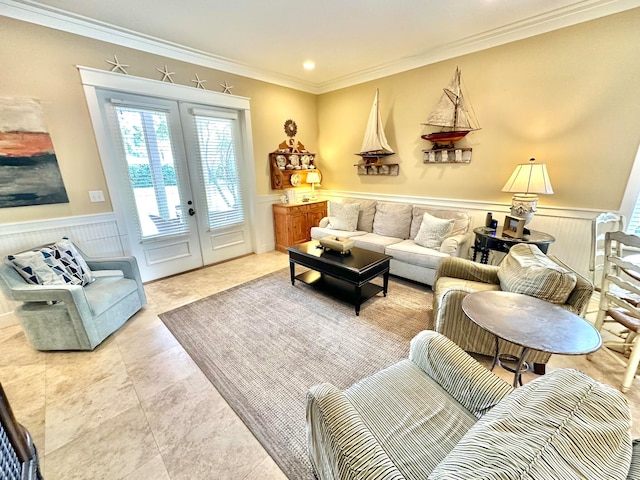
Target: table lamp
x,y
526,181
313,178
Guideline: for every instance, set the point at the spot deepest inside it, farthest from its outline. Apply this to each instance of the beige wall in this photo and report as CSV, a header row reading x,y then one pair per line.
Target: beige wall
x,y
41,63
570,98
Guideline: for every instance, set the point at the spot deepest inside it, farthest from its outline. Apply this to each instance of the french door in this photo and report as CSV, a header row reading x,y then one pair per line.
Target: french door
x,y
175,175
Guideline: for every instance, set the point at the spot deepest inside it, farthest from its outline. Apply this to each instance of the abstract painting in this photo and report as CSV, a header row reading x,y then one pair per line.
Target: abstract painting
x,y
29,172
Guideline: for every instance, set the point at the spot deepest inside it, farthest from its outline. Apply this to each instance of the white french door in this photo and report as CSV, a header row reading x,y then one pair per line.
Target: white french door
x,y
174,171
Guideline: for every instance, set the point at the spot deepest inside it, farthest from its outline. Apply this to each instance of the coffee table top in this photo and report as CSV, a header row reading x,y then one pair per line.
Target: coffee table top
x,y
531,322
358,259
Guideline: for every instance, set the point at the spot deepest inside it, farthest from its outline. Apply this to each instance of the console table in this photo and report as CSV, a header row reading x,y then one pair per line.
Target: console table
x,y
487,240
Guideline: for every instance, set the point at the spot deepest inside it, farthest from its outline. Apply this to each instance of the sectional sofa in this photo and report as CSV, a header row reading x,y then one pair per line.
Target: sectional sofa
x,y
417,242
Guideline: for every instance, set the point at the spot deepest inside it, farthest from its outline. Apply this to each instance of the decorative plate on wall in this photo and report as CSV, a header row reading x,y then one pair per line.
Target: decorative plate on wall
x,y
296,179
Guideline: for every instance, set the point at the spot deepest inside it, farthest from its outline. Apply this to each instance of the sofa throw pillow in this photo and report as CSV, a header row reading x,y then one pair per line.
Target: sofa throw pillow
x,y
366,214
40,267
461,220
525,269
343,216
73,261
392,220
562,425
433,231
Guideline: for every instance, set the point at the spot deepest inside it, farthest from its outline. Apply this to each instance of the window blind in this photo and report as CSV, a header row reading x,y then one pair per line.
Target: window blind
x,y
633,227
149,164
216,134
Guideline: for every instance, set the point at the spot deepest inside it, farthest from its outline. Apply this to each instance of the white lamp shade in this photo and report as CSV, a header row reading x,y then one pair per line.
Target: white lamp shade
x,y
529,178
313,177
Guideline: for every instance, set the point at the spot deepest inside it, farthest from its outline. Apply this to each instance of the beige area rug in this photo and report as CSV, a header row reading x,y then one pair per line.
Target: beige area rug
x,y
264,343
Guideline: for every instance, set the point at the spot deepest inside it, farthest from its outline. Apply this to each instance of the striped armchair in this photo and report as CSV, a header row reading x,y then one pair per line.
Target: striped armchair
x,y
457,277
441,415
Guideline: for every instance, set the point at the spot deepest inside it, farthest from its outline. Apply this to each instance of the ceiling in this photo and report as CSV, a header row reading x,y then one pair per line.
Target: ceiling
x,y
350,41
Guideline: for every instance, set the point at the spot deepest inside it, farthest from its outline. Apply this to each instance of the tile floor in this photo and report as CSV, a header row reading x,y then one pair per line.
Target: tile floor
x,y
138,408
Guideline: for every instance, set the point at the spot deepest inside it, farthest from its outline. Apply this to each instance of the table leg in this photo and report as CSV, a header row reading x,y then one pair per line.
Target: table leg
x,y
358,299
495,356
517,376
385,283
292,269
484,257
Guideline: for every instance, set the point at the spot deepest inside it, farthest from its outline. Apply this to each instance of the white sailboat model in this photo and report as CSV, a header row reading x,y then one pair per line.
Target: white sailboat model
x,y
374,144
452,114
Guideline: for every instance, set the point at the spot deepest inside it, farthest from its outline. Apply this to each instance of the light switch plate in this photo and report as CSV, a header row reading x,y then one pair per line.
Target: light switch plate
x,y
96,195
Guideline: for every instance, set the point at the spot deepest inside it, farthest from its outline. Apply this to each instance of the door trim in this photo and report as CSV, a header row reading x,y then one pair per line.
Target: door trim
x,y
93,79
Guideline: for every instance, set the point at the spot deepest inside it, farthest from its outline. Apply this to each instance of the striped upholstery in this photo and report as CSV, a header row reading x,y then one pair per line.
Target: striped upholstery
x,y
528,271
340,445
563,425
456,278
431,416
401,411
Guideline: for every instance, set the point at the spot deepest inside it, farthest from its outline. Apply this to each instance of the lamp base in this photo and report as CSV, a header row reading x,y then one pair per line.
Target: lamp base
x,y
524,205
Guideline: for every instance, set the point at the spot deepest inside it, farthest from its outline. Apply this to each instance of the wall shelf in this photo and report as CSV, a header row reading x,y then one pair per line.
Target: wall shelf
x,y
283,177
447,155
378,168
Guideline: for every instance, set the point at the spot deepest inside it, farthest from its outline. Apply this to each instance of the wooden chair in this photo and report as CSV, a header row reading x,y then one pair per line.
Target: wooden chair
x,y
619,299
18,456
603,223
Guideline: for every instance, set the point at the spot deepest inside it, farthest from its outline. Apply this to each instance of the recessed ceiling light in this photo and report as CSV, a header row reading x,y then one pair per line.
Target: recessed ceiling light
x,y
309,65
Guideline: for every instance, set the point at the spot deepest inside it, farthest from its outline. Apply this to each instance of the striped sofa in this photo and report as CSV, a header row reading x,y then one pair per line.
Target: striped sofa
x,y
456,278
441,415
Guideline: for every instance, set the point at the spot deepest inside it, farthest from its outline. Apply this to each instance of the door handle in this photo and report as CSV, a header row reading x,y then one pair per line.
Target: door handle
x,y
192,212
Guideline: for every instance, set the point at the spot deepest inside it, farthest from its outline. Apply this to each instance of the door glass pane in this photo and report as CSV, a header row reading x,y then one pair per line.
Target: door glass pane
x,y
152,171
219,174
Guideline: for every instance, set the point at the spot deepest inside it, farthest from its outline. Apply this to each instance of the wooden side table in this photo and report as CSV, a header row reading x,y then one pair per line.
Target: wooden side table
x,y
532,323
293,222
494,240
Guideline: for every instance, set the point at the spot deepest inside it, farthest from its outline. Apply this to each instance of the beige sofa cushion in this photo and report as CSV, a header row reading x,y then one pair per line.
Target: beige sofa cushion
x,y
433,231
527,270
366,214
343,216
460,224
563,425
393,220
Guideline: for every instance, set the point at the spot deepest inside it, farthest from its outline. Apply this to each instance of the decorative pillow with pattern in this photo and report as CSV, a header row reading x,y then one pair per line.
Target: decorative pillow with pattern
x,y
525,269
433,231
563,425
39,267
343,216
74,262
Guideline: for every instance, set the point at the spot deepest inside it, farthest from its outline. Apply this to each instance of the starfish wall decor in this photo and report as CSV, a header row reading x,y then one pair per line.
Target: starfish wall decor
x,y
226,88
166,74
117,65
199,83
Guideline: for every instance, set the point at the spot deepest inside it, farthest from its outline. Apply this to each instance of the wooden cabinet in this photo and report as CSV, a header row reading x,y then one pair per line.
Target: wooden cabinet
x,y
293,222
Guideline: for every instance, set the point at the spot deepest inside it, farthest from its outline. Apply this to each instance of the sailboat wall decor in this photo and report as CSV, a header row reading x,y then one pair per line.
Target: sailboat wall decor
x,y
453,115
374,144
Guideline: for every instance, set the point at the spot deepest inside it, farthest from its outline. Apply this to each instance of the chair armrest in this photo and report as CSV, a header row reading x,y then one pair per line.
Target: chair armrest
x,y
340,444
128,265
323,222
455,245
464,269
580,296
69,294
471,384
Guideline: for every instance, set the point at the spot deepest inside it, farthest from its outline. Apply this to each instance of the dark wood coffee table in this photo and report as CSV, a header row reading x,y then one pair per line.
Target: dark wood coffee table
x,y
531,323
347,277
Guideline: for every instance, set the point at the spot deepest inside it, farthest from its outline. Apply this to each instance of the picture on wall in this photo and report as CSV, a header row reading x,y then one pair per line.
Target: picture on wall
x,y
29,172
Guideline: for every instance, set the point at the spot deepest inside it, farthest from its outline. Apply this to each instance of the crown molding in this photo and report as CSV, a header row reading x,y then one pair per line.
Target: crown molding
x,y
582,11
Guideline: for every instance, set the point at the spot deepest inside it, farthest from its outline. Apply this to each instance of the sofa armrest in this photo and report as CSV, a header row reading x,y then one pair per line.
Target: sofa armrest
x,y
455,245
471,384
464,269
323,222
340,444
